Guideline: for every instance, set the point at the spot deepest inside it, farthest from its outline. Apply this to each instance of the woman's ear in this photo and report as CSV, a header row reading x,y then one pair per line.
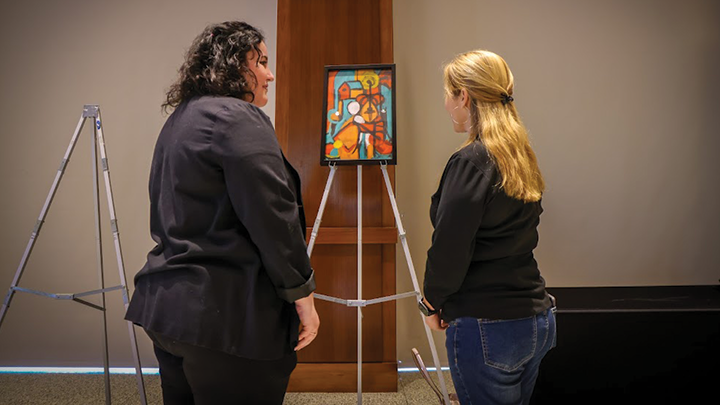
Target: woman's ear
x,y
464,98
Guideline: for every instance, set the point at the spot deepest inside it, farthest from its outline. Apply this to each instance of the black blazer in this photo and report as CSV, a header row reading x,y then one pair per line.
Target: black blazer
x,y
226,214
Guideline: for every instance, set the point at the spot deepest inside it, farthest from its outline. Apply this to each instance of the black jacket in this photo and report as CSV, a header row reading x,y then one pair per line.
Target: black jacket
x,y
226,214
481,261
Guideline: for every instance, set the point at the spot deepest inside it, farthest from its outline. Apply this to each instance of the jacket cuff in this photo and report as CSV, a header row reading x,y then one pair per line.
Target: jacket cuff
x,y
434,300
293,294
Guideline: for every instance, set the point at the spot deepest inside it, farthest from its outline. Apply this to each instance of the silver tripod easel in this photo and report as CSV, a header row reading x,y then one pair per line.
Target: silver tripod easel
x,y
98,142
359,302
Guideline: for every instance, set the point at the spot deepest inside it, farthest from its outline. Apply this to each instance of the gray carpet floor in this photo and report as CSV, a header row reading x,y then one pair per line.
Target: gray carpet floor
x,y
82,389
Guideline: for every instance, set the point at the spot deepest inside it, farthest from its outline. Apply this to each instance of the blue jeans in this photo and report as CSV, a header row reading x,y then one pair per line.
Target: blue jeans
x,y
497,361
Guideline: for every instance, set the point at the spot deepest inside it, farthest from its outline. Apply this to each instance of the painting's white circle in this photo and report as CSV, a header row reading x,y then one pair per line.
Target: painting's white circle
x,y
354,107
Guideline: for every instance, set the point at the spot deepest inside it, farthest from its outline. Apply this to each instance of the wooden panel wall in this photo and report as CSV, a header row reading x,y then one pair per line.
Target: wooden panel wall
x,y
312,34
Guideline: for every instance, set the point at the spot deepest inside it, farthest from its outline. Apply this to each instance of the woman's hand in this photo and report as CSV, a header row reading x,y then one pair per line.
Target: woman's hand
x,y
436,323
309,320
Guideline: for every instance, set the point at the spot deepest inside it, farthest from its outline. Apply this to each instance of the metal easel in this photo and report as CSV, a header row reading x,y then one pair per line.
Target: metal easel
x,y
359,302
98,143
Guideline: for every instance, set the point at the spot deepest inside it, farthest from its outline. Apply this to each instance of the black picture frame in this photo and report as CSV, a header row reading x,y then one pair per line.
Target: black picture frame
x,y
377,104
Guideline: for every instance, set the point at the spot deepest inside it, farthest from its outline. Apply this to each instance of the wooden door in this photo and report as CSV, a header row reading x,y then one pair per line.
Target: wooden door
x,y
312,34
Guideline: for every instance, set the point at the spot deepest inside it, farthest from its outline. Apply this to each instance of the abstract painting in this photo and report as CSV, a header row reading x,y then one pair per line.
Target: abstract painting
x,y
359,115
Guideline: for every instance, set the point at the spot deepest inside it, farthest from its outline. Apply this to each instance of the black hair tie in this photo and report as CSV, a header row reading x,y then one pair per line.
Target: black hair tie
x,y
506,98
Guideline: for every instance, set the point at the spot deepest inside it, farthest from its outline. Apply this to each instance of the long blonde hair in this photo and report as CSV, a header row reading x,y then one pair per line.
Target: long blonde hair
x,y
495,121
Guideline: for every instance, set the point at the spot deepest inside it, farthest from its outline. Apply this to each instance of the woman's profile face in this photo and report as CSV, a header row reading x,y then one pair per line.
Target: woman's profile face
x,y
258,65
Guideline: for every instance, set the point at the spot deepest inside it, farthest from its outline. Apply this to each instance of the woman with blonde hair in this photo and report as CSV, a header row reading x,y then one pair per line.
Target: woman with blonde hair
x,y
482,283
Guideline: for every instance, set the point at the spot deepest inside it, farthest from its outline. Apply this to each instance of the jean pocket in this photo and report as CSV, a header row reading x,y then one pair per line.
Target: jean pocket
x,y
508,344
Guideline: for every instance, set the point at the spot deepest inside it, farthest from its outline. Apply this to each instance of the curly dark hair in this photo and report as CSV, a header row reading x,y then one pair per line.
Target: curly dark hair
x,y
216,64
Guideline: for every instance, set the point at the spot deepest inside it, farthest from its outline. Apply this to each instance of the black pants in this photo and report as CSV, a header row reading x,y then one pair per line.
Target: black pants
x,y
192,375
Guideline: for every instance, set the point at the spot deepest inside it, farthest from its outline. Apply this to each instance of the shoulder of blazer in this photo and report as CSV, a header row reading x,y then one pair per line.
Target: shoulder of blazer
x,y
236,108
242,119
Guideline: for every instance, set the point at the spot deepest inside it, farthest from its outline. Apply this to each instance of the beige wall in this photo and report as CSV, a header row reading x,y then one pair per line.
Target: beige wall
x,y
621,100
56,57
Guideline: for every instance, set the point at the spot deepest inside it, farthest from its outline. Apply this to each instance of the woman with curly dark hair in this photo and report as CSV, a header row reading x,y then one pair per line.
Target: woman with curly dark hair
x,y
229,284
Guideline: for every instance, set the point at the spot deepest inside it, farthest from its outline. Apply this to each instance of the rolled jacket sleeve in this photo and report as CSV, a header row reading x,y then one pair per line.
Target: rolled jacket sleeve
x,y
262,197
463,189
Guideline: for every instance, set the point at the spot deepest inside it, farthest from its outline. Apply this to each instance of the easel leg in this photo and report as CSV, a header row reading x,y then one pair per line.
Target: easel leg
x,y
100,267
118,250
416,285
41,220
359,284
318,218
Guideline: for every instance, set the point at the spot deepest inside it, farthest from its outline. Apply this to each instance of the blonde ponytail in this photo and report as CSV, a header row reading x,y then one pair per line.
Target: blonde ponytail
x,y
495,121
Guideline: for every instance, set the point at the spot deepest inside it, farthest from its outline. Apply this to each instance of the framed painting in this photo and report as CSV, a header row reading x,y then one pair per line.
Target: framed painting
x,y
358,126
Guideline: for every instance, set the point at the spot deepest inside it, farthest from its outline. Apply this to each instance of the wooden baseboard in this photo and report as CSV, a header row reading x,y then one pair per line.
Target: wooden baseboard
x,y
342,377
